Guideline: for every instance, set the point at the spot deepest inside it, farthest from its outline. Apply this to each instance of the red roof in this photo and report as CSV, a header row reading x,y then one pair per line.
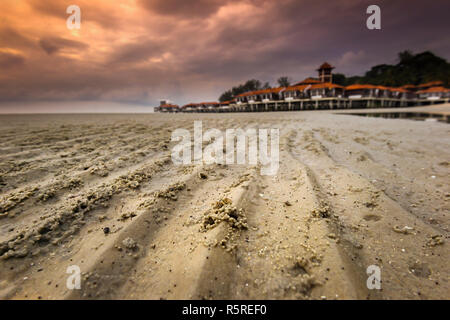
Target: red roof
x,y
190,105
325,65
308,81
401,89
360,86
430,84
371,86
252,93
297,87
434,89
326,85
169,106
210,103
226,103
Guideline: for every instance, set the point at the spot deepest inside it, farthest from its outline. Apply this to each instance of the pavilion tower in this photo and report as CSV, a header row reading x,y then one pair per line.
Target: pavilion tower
x,y
325,74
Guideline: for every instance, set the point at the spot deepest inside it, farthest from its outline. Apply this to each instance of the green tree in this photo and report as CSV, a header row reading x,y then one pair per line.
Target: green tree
x,y
410,69
340,79
266,86
249,85
405,56
226,96
284,81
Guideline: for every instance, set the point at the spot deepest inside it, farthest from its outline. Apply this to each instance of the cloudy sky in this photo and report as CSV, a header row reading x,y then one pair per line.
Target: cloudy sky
x,y
138,51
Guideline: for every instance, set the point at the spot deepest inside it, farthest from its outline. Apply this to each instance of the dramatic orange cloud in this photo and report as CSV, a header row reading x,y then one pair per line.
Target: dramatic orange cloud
x,y
141,50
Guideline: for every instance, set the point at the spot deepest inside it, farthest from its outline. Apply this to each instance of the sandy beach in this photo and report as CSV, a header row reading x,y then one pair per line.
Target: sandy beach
x,y
101,192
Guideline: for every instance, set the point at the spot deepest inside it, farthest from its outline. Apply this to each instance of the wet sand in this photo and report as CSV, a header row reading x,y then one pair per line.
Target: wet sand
x,y
101,192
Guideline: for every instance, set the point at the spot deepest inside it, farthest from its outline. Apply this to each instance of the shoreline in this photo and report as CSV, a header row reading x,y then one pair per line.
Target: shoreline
x,y
443,109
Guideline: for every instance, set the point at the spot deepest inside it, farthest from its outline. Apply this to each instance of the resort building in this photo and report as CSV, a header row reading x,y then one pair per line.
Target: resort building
x,y
167,108
325,90
209,106
402,93
264,95
190,107
358,91
384,92
225,106
428,85
295,92
325,73
409,87
434,93
322,93
308,81
200,107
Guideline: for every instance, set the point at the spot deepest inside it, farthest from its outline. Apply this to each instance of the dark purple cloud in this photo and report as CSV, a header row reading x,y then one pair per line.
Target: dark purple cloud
x,y
194,50
183,9
54,44
9,60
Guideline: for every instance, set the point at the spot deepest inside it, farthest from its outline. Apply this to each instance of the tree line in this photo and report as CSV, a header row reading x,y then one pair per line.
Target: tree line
x,y
410,69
